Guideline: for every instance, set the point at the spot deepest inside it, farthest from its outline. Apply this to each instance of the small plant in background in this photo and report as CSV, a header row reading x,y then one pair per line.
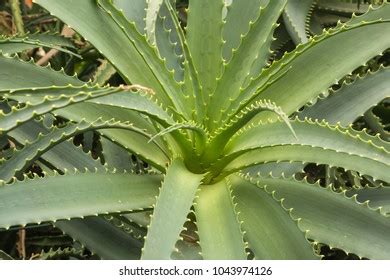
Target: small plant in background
x,y
232,130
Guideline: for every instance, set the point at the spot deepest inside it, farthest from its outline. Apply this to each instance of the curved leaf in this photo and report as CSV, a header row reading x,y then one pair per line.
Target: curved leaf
x,y
135,11
269,228
204,37
351,100
236,71
96,28
10,45
317,59
310,133
43,100
17,74
22,158
376,197
170,93
172,206
74,195
295,16
63,156
102,238
219,231
378,169
334,219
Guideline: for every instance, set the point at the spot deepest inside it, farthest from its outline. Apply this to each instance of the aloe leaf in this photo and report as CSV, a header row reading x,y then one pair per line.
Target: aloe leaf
x,y
310,133
236,71
314,59
171,93
132,229
104,72
316,137
135,11
10,45
351,100
61,253
342,8
172,206
22,158
187,251
375,197
18,74
115,156
63,156
271,231
295,17
223,135
74,195
237,23
375,125
378,169
204,37
131,141
216,218
167,41
100,25
343,106
332,218
152,11
103,239
191,87
49,99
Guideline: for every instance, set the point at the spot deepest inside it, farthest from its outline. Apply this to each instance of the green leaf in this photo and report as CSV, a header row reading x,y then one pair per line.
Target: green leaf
x,y
135,11
204,37
223,134
376,125
129,140
168,43
365,165
236,71
18,74
310,133
102,238
60,254
345,105
97,27
63,156
115,156
317,59
191,87
269,228
351,100
43,100
103,73
376,197
21,159
219,230
74,195
296,15
237,23
334,219
171,94
10,45
341,8
333,142
173,204
152,11
239,19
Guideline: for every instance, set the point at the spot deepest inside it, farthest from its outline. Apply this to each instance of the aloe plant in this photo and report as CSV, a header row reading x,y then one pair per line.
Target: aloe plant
x,y
211,113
